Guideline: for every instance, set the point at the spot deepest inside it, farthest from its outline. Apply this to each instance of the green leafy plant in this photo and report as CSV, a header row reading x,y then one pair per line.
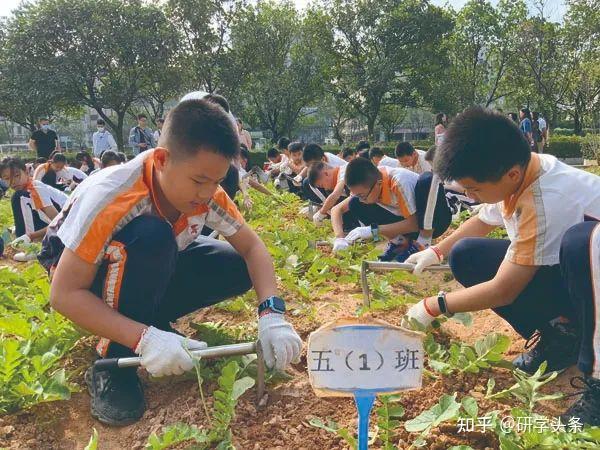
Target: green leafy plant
x,y
93,443
176,434
527,388
445,410
33,339
460,357
387,419
332,427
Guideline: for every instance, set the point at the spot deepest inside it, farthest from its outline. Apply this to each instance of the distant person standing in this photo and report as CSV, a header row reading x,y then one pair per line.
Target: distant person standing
x,y
536,133
159,124
526,126
441,122
513,117
543,130
141,138
102,140
44,141
245,137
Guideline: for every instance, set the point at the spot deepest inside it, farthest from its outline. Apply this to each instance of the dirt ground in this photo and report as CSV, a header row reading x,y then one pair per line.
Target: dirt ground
x,y
283,424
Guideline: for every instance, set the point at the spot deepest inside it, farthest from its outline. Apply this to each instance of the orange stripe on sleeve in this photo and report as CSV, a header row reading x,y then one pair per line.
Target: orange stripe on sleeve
x,y
35,197
527,234
402,204
222,199
103,225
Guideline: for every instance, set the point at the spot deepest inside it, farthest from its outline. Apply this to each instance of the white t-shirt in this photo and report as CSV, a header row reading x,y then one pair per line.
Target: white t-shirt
x,y
553,198
422,165
398,191
66,173
42,196
388,162
334,160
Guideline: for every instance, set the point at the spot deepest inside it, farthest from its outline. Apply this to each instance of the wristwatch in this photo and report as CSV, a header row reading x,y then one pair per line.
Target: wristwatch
x,y
375,231
441,297
274,303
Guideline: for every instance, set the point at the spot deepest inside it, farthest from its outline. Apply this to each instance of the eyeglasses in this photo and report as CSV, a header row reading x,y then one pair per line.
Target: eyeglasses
x,y
363,197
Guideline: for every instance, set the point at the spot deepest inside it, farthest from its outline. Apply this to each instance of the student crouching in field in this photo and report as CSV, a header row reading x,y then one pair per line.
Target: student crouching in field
x,y
544,280
127,257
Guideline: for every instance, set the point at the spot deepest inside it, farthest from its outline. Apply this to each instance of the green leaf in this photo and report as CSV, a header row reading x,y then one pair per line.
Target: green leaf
x,y
446,409
241,386
470,406
93,443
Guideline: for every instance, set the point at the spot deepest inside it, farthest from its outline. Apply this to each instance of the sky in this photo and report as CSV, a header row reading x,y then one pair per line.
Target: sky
x,y
556,8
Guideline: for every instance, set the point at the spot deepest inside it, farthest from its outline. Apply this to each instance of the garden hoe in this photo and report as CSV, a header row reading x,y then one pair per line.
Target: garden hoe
x,y
218,351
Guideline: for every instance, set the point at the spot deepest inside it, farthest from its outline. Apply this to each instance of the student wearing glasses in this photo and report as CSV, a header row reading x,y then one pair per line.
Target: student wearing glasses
x,y
391,203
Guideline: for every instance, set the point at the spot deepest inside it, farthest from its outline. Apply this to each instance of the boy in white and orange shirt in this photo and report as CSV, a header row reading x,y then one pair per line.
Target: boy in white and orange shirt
x,y
127,257
544,280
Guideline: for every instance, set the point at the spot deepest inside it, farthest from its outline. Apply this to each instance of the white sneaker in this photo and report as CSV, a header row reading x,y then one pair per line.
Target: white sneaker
x,y
24,257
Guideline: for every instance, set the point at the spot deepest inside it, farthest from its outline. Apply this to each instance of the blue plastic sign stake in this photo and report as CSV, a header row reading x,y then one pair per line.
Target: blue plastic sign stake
x,y
361,358
364,403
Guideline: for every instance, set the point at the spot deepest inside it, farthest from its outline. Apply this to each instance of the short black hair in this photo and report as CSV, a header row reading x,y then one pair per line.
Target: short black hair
x,y
141,116
295,147
196,124
100,122
59,158
364,153
219,100
480,144
13,164
361,171
40,160
272,153
404,149
283,143
315,171
362,145
122,156
376,152
160,120
526,112
514,117
109,156
312,153
348,151
535,115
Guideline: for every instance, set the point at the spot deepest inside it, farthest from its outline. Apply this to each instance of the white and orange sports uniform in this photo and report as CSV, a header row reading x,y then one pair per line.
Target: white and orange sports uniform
x,y
149,270
31,203
552,223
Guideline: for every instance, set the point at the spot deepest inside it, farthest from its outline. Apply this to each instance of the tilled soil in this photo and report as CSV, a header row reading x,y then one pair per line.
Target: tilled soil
x,y
283,424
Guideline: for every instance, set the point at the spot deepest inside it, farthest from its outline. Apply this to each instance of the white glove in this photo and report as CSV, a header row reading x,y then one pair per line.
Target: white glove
x,y
247,203
318,218
280,343
24,239
297,180
304,211
363,233
422,260
163,353
419,313
340,244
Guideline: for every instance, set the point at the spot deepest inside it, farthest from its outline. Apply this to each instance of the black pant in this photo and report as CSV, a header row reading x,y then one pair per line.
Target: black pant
x,y
368,214
27,220
147,279
476,260
580,268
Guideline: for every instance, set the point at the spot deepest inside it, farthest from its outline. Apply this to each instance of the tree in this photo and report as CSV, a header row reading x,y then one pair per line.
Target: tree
x,y
382,51
581,28
106,51
27,93
483,51
204,51
389,118
286,74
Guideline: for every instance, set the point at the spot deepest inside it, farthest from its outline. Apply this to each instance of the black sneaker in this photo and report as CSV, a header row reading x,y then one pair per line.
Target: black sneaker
x,y
117,396
558,344
587,409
